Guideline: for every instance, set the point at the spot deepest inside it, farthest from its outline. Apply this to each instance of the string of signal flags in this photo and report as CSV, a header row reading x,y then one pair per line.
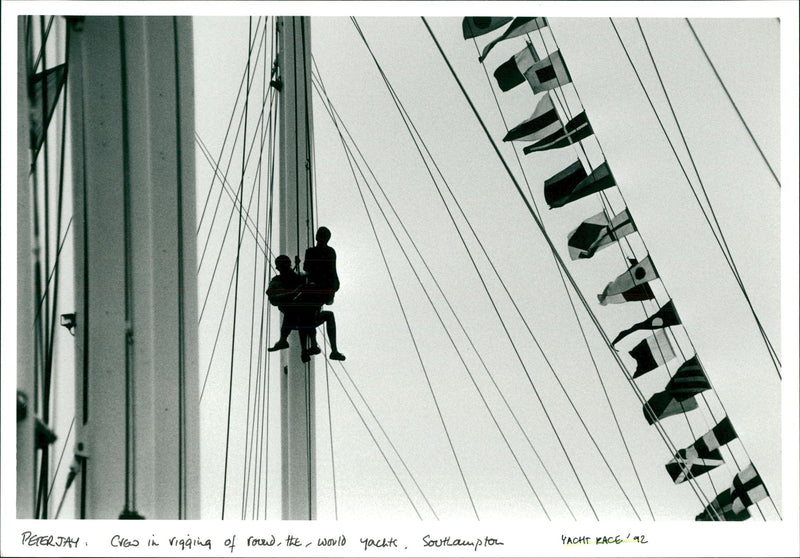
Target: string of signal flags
x,y
545,130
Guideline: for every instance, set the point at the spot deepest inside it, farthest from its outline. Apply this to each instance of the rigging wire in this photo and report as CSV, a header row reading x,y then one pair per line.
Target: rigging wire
x,y
43,43
350,163
55,265
307,368
731,263
247,445
40,322
60,457
263,455
49,356
736,273
563,281
687,178
310,228
385,434
129,509
315,215
51,343
219,330
333,113
453,312
181,273
377,445
733,103
530,331
73,472
561,263
296,151
262,378
230,219
727,251
330,428
452,341
236,289
46,335
419,356
227,296
608,208
48,326
225,174
248,220
675,118
224,141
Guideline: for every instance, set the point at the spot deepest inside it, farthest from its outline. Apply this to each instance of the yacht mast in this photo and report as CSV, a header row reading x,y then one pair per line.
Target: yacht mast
x,y
298,440
132,113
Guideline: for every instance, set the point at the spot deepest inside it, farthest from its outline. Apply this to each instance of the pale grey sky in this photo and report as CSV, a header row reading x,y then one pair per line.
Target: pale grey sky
x,y
371,331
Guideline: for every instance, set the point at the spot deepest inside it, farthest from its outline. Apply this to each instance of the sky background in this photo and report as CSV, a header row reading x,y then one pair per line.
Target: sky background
x,y
381,359
380,355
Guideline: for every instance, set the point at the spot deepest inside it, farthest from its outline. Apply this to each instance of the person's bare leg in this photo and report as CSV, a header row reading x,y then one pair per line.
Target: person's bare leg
x,y
330,326
283,342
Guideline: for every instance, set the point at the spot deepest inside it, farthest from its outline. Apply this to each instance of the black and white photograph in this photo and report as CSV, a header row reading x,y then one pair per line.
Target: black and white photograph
x,y
400,278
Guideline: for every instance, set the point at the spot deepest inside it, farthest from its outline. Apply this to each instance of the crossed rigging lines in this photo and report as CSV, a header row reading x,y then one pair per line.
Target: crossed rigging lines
x,y
718,234
535,214
561,100
253,230
548,474
555,253
351,161
715,227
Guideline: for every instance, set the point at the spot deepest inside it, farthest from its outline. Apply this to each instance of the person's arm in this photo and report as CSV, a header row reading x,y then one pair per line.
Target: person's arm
x,y
277,294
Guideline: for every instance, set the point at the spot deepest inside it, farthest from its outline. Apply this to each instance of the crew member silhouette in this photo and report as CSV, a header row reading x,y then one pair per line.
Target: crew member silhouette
x,y
320,267
287,291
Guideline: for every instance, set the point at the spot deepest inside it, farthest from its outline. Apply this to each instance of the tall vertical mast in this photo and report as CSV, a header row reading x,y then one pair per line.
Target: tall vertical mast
x,y
297,379
26,468
132,111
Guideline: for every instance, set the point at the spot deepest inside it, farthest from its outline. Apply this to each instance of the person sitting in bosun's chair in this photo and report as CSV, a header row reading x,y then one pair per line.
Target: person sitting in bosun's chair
x,y
287,291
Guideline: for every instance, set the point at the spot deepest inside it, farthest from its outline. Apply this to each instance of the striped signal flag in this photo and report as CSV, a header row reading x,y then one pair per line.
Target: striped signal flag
x,y
678,396
688,381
